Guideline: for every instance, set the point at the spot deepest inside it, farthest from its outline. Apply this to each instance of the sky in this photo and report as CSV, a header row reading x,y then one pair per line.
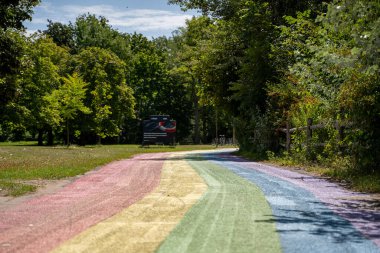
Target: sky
x,y
152,18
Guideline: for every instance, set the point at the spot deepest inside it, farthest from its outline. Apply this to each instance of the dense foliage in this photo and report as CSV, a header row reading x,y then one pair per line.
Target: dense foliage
x,y
86,83
269,64
253,66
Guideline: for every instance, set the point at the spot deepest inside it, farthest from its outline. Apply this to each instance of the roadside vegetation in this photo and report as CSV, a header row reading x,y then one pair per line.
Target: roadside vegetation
x,y
339,171
25,161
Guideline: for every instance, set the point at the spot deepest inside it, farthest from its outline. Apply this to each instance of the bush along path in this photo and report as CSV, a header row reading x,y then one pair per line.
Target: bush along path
x,y
192,202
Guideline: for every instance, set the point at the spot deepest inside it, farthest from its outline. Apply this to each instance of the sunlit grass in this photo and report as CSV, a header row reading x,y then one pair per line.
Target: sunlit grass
x,y
27,161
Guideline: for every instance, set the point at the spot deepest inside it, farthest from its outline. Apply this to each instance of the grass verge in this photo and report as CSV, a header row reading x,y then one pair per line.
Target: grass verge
x,y
338,171
26,161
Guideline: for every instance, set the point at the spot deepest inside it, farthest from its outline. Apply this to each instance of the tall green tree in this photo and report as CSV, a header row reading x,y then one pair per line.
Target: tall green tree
x,y
191,47
66,102
45,64
238,65
108,96
12,46
93,31
14,12
155,89
62,34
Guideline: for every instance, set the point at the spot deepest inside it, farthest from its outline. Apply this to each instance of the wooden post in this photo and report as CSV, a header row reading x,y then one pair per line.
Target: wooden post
x,y
341,133
340,136
309,132
340,130
233,132
67,134
216,127
288,136
309,135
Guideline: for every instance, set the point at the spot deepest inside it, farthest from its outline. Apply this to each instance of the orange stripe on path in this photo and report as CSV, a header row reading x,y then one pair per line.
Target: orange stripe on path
x,y
145,224
43,223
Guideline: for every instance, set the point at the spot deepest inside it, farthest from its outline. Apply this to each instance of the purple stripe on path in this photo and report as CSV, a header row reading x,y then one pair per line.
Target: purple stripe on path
x,y
42,223
345,203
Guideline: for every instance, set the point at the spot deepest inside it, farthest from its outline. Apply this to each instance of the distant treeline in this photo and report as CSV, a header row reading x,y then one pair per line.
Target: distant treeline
x,y
88,83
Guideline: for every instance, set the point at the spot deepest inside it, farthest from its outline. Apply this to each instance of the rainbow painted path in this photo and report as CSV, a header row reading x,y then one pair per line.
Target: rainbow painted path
x,y
192,202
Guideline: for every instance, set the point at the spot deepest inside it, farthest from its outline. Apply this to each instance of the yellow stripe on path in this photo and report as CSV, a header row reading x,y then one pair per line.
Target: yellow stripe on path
x,y
145,224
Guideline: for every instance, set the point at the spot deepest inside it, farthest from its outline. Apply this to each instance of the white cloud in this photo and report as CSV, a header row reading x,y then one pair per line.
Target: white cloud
x,y
150,22
30,32
46,7
131,19
40,21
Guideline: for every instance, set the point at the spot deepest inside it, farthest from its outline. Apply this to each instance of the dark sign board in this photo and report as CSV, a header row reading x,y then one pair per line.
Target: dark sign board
x,y
159,129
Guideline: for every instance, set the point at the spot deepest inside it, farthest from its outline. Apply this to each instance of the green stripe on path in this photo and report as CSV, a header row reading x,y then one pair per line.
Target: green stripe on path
x,y
233,216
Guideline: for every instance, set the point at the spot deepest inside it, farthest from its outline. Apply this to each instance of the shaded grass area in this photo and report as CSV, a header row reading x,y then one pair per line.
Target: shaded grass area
x,y
233,216
355,179
27,161
337,170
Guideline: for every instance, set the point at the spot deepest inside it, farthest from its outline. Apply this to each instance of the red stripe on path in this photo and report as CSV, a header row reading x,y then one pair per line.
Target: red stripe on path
x,y
42,223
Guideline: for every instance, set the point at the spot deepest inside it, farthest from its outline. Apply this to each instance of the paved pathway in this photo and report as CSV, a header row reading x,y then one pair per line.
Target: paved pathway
x,y
192,202
43,223
311,214
145,224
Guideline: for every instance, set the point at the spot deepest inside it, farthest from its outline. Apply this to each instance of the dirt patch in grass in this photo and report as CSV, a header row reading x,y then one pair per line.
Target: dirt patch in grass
x,y
42,187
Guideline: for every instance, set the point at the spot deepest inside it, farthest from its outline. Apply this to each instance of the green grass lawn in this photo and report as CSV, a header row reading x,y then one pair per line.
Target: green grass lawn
x,y
24,161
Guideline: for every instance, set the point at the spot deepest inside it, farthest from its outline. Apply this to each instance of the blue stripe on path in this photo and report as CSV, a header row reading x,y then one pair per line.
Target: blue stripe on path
x,y
304,223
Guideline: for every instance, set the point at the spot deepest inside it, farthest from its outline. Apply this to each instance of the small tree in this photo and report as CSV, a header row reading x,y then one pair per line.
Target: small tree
x,y
67,101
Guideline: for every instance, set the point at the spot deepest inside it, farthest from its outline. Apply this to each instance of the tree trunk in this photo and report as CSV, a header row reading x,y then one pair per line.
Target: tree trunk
x,y
196,118
234,132
204,125
196,115
309,135
40,137
67,134
216,127
50,138
288,137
